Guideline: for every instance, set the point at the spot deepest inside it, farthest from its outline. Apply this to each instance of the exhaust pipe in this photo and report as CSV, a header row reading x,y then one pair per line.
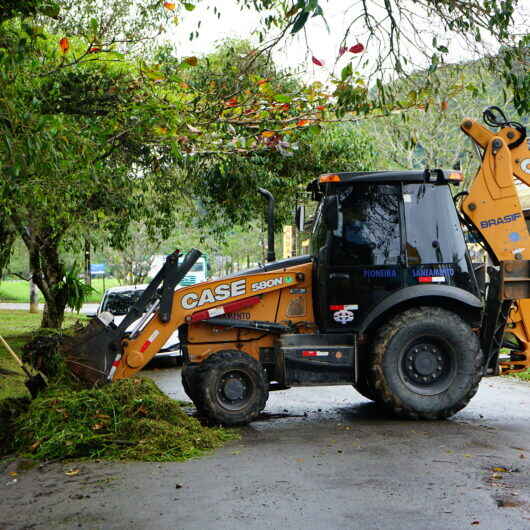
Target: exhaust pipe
x,y
271,256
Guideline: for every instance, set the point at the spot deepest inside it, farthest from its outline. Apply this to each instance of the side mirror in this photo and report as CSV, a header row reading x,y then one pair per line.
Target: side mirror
x,y
299,217
330,212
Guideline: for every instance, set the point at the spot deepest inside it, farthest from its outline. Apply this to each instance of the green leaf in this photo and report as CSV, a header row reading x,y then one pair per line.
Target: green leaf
x,y
188,6
51,10
299,22
282,98
346,72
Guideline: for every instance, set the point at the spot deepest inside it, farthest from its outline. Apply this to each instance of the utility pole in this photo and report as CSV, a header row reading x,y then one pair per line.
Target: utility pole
x,y
88,276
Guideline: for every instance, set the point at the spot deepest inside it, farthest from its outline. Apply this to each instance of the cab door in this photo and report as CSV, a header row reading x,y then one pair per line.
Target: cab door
x,y
363,256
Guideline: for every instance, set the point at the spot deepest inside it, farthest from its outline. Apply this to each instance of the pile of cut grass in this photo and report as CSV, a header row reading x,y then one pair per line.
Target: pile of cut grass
x,y
130,419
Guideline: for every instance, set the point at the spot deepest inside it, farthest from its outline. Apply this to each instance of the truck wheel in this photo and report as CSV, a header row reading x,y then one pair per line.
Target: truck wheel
x,y
190,383
233,387
427,363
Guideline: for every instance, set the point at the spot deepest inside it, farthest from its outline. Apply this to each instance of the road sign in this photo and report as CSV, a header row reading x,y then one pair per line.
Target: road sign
x,y
97,269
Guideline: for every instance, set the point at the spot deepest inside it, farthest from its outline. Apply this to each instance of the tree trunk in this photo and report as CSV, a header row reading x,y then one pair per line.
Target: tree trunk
x,y
7,238
46,268
33,297
53,315
51,273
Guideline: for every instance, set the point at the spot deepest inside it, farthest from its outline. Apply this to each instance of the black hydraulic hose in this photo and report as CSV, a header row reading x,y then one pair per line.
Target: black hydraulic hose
x,y
271,256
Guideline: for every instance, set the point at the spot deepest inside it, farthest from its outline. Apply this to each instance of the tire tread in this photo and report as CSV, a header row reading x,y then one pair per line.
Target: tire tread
x,y
383,337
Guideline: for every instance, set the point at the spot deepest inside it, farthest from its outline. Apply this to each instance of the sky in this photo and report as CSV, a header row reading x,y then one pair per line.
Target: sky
x,y
322,42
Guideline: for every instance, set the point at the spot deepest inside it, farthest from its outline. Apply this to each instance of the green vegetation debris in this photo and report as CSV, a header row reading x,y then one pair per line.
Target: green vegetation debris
x,y
130,419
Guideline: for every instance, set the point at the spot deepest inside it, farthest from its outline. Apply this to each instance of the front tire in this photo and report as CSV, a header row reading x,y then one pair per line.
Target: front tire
x,y
426,364
233,387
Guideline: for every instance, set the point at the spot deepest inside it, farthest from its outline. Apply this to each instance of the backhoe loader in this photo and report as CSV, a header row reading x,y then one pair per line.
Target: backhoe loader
x,y
387,301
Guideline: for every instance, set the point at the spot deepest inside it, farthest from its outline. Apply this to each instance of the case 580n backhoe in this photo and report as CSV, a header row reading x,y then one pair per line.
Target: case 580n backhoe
x,y
388,300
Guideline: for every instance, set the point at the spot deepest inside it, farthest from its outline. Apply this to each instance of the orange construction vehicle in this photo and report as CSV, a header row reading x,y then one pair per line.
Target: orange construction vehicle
x,y
387,301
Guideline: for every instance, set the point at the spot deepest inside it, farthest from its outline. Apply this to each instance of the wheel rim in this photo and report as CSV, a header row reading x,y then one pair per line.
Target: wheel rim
x,y
428,366
235,390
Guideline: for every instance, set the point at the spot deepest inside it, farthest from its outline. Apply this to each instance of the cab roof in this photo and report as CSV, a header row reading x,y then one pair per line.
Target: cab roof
x,y
432,176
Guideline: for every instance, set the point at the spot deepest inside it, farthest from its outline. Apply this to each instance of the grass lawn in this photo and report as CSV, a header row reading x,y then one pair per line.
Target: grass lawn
x,y
18,291
16,327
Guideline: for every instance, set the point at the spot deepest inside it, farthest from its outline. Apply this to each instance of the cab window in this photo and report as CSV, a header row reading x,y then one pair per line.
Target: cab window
x,y
368,231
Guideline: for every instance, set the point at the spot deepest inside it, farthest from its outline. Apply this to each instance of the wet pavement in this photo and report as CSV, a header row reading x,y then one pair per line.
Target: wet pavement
x,y
12,306
318,458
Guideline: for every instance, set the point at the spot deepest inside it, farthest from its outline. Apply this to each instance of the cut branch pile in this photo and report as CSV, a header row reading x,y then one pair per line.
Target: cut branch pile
x,y
130,419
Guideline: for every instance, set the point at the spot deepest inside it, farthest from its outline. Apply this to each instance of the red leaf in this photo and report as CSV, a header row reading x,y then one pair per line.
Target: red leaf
x,y
316,61
262,82
303,123
321,107
358,48
64,44
170,6
94,49
285,106
231,102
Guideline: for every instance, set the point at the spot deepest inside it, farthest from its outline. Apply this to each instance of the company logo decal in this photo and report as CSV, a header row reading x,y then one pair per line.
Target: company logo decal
x,y
379,273
265,284
343,316
229,290
437,271
510,218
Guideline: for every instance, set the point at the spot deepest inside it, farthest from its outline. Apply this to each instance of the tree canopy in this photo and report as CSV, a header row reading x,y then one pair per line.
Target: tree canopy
x,y
103,123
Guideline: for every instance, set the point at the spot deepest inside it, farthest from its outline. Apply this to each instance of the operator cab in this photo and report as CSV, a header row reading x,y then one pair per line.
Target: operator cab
x,y
376,233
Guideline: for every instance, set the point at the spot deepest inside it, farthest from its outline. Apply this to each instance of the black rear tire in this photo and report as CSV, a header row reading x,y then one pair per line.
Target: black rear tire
x,y
426,364
190,383
233,387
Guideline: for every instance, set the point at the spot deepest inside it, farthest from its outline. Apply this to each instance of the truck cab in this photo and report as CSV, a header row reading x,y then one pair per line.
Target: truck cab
x,y
381,236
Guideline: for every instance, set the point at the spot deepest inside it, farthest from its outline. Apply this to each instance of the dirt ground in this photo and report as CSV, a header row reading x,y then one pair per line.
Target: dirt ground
x,y
318,458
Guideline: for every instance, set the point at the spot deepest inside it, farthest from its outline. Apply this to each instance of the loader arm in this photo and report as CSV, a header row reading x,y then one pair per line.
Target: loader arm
x,y
199,302
105,352
492,206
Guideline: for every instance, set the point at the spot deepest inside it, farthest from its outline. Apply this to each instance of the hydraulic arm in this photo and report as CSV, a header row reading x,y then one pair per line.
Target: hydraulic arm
x,y
492,206
105,352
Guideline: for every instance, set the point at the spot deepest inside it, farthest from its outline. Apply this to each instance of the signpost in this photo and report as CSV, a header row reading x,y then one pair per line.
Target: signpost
x,y
98,269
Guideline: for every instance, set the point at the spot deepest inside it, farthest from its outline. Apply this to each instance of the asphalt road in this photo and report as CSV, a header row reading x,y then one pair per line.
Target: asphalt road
x,y
87,308
319,458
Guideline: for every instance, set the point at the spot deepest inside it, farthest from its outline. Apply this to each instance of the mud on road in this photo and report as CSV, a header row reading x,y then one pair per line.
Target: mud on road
x,y
318,458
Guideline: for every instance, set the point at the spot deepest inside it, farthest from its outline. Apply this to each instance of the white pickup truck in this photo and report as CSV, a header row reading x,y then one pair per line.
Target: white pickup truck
x,y
118,300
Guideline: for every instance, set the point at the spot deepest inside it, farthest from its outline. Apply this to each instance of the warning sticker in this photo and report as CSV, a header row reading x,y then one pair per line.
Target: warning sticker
x,y
343,316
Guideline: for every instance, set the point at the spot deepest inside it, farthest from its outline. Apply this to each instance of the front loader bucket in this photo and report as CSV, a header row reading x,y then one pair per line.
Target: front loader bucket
x,y
94,353
91,352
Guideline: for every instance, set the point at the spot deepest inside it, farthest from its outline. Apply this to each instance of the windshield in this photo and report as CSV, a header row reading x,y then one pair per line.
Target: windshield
x,y
119,303
197,267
